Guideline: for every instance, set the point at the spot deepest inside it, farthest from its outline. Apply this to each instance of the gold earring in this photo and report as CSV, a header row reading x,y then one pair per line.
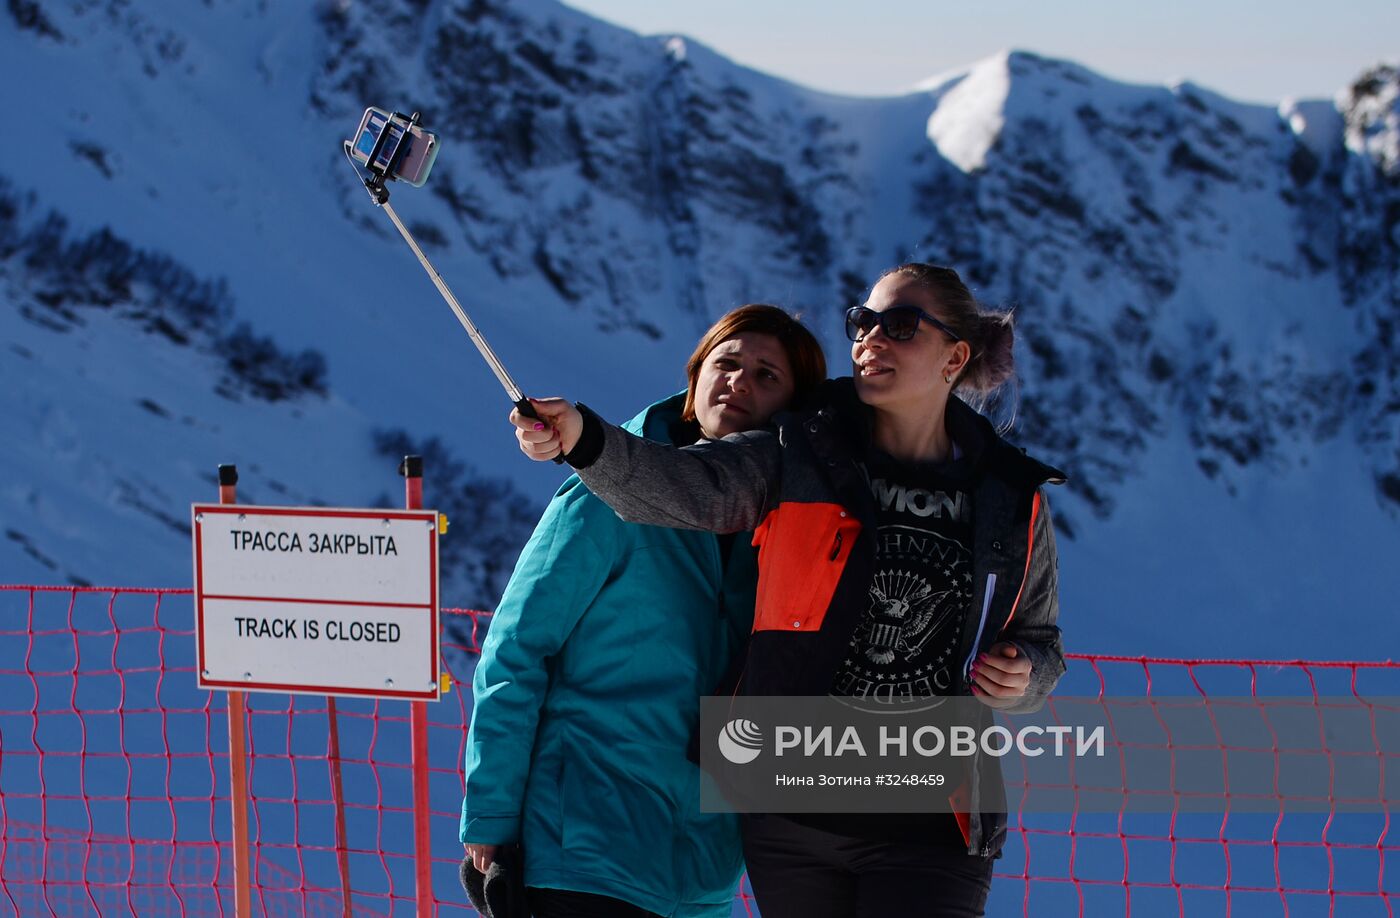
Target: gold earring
x,y
947,378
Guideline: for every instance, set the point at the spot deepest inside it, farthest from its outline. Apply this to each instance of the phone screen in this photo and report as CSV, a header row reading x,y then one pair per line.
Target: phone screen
x,y
373,125
415,159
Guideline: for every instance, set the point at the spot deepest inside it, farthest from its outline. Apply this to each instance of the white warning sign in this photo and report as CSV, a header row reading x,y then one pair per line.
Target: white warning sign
x,y
325,601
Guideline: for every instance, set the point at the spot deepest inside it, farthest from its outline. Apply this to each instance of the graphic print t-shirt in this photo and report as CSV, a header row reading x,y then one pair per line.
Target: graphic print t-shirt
x,y
906,643
907,639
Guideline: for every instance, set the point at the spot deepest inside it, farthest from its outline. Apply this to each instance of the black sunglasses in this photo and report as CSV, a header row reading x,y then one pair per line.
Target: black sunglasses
x,y
898,322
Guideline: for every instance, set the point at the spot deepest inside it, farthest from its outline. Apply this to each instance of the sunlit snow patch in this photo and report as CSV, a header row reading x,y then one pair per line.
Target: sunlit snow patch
x,y
969,118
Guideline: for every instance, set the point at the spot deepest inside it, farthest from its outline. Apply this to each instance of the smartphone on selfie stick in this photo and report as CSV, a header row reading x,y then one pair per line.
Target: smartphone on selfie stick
x,y
395,147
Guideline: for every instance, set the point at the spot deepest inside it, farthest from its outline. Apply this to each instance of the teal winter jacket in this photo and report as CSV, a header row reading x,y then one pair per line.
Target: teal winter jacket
x,y
586,697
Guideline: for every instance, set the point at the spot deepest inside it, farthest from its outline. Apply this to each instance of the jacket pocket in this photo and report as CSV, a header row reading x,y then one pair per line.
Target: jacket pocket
x,y
802,550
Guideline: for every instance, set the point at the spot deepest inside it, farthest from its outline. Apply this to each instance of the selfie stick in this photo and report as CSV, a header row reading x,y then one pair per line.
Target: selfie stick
x,y
512,390
379,194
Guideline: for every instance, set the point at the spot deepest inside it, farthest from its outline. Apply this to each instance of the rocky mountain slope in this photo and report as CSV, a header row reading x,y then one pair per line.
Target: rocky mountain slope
x,y
1207,291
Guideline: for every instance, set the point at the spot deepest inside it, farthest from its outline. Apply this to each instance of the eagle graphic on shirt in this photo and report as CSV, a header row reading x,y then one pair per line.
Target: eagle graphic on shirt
x,y
915,595
904,612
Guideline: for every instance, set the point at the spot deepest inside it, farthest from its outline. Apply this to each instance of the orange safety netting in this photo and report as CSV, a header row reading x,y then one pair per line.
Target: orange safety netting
x,y
114,787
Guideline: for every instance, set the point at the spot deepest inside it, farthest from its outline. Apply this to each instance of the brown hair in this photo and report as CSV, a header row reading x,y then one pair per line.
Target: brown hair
x,y
804,354
988,333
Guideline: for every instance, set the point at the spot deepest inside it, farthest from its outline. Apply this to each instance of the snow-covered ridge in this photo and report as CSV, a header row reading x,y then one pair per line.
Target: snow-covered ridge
x,y
1207,290
123,366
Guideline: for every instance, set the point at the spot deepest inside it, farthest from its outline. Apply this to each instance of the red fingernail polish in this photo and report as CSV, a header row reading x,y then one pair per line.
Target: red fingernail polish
x,y
539,427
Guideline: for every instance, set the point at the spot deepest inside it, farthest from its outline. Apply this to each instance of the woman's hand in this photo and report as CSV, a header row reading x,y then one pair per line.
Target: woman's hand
x,y
555,433
1000,676
481,855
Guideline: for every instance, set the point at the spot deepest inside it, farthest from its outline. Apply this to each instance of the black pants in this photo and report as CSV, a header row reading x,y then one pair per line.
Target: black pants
x,y
797,871
566,903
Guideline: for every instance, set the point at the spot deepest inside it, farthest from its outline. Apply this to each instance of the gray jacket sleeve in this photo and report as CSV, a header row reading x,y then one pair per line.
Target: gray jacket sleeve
x,y
1033,629
715,485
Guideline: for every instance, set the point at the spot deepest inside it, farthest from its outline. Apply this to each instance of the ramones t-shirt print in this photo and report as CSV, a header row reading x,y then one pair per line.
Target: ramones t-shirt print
x,y
906,642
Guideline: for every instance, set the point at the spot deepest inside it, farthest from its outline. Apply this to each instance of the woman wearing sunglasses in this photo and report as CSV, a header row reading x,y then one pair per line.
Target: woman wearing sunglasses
x,y
905,550
588,687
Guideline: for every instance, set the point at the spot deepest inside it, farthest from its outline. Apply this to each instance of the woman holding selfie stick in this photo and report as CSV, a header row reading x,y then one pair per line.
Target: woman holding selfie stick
x,y
588,688
905,549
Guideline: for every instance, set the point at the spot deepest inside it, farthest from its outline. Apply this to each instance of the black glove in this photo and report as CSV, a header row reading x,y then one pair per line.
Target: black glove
x,y
500,892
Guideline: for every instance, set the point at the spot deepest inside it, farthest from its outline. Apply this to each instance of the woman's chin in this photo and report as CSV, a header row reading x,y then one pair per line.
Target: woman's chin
x,y
723,421
874,390
714,428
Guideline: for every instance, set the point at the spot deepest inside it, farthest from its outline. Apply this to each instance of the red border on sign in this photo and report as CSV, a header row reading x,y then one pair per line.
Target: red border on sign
x,y
321,602
428,516
385,514
405,695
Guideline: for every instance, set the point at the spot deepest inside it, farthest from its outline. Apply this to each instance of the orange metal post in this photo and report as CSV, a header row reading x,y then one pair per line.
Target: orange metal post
x,y
237,744
342,847
412,471
422,837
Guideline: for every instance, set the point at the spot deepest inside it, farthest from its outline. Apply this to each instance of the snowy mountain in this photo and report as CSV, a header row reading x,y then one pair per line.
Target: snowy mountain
x,y
1207,291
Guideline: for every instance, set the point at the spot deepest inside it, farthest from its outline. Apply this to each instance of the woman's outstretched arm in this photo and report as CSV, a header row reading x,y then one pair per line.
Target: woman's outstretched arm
x,y
715,485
